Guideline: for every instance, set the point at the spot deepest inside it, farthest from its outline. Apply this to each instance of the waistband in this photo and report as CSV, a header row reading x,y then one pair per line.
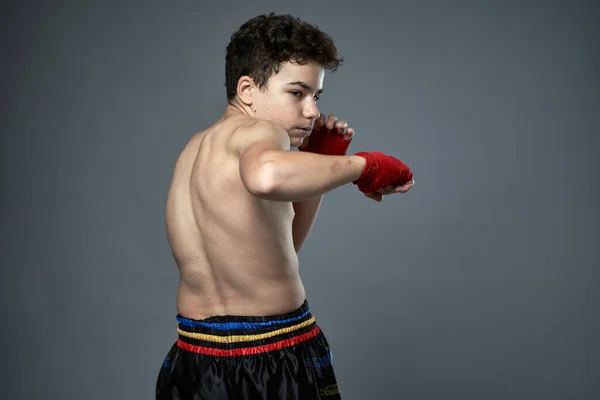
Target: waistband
x,y
235,335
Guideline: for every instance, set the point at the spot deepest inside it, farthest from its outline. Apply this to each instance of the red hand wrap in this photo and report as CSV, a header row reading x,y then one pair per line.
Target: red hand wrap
x,y
381,171
321,142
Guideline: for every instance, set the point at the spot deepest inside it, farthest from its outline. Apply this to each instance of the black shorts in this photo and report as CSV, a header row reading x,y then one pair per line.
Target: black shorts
x,y
249,358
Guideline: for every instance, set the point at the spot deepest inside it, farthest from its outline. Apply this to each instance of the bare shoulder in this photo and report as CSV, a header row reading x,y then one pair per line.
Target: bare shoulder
x,y
259,133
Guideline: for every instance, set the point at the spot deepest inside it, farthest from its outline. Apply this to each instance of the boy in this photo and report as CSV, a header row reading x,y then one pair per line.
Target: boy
x,y
238,210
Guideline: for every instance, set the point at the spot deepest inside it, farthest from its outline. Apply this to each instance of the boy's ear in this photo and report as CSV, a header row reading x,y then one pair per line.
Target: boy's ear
x,y
245,89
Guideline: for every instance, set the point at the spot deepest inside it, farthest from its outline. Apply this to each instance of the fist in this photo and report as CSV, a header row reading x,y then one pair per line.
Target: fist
x,y
329,136
378,195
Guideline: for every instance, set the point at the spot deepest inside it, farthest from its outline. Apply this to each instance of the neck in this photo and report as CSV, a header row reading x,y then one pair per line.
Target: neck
x,y
235,106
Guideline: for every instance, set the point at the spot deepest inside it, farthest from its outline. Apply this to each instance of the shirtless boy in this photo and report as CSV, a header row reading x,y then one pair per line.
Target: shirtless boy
x,y
242,202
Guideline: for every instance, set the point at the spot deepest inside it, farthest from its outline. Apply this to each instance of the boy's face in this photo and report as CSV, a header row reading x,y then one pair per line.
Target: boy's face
x,y
289,99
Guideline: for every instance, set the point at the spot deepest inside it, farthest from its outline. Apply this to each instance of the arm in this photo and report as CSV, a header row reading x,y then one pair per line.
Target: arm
x,y
306,212
271,172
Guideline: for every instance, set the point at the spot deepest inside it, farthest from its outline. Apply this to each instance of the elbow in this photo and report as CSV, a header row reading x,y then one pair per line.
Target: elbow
x,y
266,181
260,179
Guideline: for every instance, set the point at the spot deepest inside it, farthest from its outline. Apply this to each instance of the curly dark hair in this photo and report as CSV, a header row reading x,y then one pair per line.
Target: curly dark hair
x,y
263,43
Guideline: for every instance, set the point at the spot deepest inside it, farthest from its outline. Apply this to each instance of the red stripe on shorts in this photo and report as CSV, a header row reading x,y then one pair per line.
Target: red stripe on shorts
x,y
249,350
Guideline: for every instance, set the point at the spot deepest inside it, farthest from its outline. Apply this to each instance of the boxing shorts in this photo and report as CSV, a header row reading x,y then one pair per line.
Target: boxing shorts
x,y
249,357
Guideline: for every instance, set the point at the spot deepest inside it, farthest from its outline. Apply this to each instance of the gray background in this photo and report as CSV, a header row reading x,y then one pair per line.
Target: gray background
x,y
481,283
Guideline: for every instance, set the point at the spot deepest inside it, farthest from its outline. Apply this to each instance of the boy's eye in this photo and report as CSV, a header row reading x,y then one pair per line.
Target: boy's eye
x,y
300,94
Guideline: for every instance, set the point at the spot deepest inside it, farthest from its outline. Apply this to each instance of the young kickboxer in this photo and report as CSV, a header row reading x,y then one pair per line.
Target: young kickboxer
x,y
242,202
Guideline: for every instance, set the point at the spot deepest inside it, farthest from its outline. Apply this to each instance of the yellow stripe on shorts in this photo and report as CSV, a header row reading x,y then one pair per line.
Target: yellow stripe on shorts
x,y
244,338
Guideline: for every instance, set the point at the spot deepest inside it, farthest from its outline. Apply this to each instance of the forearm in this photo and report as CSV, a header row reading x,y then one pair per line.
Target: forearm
x,y
305,214
297,176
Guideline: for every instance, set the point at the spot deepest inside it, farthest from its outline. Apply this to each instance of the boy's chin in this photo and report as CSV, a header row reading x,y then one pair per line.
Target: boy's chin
x,y
296,141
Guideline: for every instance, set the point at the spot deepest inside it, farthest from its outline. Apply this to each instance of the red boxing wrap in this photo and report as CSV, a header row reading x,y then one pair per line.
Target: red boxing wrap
x,y
321,142
381,171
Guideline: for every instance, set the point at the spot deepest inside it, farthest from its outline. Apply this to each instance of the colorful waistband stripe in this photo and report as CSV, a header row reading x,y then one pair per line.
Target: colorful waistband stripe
x,y
250,350
232,325
244,338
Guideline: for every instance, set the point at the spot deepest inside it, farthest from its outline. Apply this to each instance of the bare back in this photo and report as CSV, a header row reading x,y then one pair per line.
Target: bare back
x,y
234,251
